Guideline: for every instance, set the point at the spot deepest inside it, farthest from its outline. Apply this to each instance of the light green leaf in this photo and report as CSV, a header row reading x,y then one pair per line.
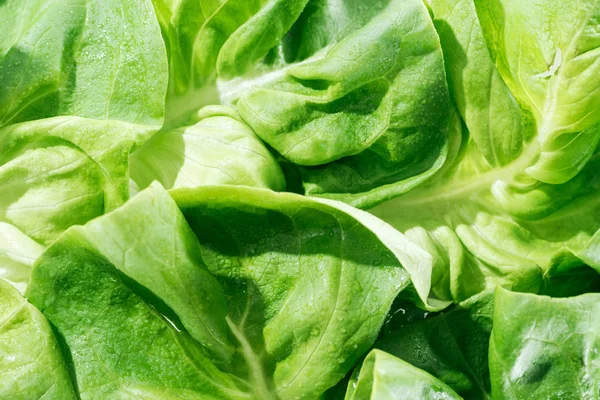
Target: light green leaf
x,y
301,113
383,376
545,348
31,364
308,282
476,243
120,345
485,218
295,303
93,59
368,112
417,261
552,68
165,258
217,149
82,83
63,171
18,252
251,41
207,38
494,118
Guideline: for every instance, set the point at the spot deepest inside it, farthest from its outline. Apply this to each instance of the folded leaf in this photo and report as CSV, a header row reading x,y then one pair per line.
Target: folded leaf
x,y
18,252
497,124
486,217
31,364
217,149
365,117
308,283
553,71
166,258
543,347
210,37
275,313
63,171
82,83
452,346
383,376
120,345
324,22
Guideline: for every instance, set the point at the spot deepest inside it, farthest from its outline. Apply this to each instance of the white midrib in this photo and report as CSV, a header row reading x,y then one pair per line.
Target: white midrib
x,y
551,98
260,386
484,181
466,187
481,182
229,91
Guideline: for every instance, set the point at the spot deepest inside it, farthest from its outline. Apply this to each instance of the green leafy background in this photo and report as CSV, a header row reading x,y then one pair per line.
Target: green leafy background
x,y
299,199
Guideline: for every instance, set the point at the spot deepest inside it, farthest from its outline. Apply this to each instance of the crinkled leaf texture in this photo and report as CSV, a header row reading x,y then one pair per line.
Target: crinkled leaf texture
x,y
31,363
532,214
365,116
471,127
62,171
383,376
243,293
553,71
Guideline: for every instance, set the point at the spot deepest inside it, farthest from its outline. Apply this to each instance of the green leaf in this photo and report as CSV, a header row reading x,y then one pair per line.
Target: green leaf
x,y
484,217
467,256
324,22
452,346
207,38
475,245
120,346
489,223
31,364
177,274
383,376
82,83
543,347
553,70
308,282
251,41
295,299
366,118
217,149
93,59
18,252
495,120
63,171
465,132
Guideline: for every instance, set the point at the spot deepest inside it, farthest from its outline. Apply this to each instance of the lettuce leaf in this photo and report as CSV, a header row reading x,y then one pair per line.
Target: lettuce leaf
x,y
492,221
217,148
31,363
222,308
383,376
542,347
